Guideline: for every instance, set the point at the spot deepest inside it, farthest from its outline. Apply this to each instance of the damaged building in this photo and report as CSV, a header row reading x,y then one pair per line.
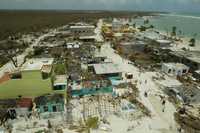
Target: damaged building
x,y
189,58
176,69
188,118
82,30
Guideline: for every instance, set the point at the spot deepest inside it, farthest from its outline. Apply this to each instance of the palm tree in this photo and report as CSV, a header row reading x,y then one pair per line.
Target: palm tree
x,y
134,25
167,31
146,21
151,26
192,42
91,123
99,46
174,28
49,125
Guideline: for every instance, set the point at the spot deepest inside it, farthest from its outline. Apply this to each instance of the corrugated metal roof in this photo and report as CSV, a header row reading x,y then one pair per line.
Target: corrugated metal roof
x,y
106,68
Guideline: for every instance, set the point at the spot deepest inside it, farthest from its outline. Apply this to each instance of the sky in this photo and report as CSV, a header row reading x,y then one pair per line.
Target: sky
x,y
135,5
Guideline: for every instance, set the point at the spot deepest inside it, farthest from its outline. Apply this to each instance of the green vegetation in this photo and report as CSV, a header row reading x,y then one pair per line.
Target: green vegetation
x,y
29,86
9,50
91,123
3,60
14,22
151,26
40,131
38,51
142,28
60,69
57,52
132,57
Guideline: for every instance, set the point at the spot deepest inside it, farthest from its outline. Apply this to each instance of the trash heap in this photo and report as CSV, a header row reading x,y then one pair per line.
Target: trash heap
x,y
188,118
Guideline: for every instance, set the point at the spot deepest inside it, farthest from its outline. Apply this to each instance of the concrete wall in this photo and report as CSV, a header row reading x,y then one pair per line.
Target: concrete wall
x,y
173,70
49,107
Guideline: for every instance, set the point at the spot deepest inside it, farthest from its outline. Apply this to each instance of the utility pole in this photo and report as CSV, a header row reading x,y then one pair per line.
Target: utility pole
x,y
84,114
69,117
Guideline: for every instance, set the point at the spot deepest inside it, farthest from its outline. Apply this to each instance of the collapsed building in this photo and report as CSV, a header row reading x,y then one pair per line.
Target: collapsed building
x,y
117,24
181,92
196,74
82,30
136,46
189,58
188,118
50,103
155,39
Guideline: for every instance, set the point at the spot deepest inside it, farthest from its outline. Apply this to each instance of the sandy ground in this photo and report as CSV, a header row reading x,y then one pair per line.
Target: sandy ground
x,y
97,31
9,67
183,44
161,121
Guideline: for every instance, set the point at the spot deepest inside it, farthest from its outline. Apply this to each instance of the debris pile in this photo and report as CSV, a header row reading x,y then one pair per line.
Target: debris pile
x,y
189,119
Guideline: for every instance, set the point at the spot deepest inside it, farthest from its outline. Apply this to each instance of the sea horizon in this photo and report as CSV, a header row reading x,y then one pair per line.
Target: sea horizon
x,y
186,23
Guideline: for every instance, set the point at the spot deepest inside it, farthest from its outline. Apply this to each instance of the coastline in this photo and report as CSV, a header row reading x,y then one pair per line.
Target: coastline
x,y
166,21
180,15
183,43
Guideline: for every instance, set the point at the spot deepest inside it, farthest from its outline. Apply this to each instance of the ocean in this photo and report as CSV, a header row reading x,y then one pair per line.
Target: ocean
x,y
188,25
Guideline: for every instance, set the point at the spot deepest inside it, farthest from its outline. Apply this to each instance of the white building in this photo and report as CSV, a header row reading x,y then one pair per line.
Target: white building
x,y
107,69
35,64
117,24
72,45
82,30
60,82
176,69
164,42
87,38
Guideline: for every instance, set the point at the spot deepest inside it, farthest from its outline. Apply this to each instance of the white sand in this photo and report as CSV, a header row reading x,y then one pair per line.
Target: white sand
x,y
9,67
183,44
160,121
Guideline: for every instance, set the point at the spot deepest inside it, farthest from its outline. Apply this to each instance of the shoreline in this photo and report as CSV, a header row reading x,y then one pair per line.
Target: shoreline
x,y
185,37
183,43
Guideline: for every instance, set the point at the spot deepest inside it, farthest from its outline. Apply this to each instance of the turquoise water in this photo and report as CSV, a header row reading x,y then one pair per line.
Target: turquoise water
x,y
187,24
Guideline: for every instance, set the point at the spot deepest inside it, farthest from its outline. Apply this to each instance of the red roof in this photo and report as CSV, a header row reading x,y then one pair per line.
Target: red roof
x,y
4,78
24,102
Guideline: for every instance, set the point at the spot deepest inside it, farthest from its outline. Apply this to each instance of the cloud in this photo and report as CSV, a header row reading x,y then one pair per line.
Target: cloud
x,y
20,0
160,5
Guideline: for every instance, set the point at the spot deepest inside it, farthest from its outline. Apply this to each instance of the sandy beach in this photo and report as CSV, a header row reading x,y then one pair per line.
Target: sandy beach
x,y
183,43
